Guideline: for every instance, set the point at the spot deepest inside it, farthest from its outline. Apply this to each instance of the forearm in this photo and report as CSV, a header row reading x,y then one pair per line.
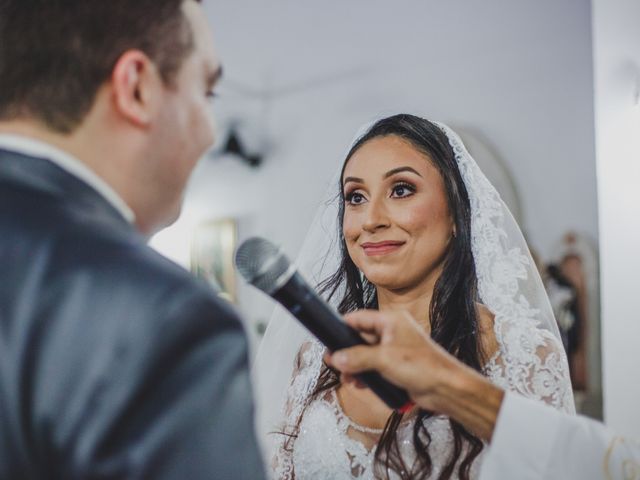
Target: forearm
x,y
470,399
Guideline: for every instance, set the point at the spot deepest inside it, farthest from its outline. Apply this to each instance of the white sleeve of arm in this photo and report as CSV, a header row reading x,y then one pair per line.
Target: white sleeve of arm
x,y
532,441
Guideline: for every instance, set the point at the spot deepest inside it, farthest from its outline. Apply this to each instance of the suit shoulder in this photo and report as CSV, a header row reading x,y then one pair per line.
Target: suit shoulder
x,y
129,264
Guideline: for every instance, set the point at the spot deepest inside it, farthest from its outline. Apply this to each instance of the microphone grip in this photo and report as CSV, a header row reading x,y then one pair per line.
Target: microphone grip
x,y
322,321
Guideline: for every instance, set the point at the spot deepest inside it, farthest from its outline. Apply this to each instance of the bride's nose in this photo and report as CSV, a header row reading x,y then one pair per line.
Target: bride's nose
x,y
376,216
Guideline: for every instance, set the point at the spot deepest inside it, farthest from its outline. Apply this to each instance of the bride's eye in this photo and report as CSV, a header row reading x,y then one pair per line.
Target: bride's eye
x,y
354,198
401,190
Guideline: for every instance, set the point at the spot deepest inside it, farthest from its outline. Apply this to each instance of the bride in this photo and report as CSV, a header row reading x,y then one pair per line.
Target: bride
x,y
420,229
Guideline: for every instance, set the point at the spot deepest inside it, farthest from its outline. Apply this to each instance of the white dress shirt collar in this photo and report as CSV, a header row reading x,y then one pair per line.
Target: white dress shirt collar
x,y
36,148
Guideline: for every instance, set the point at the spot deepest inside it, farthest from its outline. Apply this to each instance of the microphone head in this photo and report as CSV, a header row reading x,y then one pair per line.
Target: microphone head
x,y
263,265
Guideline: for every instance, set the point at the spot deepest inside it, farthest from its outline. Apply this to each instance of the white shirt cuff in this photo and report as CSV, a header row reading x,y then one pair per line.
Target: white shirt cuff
x,y
523,440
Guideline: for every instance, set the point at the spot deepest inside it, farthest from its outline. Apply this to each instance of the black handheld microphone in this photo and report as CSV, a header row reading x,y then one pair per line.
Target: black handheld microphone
x,y
266,267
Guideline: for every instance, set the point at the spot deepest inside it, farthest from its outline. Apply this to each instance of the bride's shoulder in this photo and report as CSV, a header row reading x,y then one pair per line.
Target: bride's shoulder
x,y
488,340
307,354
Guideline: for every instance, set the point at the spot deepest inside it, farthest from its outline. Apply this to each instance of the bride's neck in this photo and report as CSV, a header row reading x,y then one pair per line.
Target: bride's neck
x,y
416,301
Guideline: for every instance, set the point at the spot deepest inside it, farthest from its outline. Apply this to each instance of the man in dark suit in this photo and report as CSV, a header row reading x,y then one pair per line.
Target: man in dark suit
x,y
114,362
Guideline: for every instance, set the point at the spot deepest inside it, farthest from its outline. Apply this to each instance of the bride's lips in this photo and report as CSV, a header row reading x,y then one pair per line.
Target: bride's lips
x,y
381,248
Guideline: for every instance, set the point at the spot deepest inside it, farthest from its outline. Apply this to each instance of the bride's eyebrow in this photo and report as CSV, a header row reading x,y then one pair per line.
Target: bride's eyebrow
x,y
386,175
401,169
352,179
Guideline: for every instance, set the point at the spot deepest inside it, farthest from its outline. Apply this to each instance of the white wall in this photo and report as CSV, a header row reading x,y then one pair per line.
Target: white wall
x,y
518,72
617,68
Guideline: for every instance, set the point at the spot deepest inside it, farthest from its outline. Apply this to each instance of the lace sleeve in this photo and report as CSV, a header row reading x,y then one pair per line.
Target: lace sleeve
x,y
303,379
531,362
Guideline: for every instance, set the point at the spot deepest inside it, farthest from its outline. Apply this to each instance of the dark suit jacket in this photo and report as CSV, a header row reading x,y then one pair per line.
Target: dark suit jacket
x,y
114,362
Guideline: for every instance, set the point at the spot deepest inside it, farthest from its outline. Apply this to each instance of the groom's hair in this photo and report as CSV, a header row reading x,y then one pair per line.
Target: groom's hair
x,y
56,54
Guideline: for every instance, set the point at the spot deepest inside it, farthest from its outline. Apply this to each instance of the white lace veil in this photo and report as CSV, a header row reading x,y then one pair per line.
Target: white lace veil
x,y
530,359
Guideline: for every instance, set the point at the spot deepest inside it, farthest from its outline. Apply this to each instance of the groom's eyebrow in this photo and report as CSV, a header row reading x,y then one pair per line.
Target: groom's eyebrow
x,y
214,77
399,170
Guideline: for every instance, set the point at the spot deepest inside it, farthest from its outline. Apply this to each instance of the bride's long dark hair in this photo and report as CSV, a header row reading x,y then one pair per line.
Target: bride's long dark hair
x,y
453,310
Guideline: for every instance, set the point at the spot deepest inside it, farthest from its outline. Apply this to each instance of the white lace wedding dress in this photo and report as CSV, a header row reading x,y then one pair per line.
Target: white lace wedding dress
x,y
329,445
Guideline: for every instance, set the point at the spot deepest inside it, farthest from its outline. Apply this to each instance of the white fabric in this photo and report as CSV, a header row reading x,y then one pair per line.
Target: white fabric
x,y
36,148
326,448
534,442
530,359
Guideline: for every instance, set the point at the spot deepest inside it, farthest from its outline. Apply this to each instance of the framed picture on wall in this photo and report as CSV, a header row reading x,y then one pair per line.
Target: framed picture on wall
x,y
212,249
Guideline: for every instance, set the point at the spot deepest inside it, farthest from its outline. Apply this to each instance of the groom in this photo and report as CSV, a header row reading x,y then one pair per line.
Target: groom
x,y
114,363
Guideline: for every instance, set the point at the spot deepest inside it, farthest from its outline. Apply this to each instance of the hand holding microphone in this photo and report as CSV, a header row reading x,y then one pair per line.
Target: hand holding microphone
x,y
265,267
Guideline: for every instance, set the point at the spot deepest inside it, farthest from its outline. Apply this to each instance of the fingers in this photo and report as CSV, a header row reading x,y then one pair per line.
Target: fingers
x,y
344,377
352,380
370,338
367,321
397,327
357,359
326,356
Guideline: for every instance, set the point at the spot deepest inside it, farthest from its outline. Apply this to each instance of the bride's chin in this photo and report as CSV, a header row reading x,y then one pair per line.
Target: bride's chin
x,y
387,282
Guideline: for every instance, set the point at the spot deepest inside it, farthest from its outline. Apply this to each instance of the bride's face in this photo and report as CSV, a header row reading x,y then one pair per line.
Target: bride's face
x,y
396,221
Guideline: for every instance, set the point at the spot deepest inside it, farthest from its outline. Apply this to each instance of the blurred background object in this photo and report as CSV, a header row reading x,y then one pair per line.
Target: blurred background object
x,y
213,246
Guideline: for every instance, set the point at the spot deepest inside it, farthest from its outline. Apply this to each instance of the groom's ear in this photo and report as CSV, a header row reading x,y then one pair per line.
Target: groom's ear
x,y
136,87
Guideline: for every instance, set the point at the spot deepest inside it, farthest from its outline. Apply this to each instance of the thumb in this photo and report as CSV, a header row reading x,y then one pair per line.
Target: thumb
x,y
357,359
